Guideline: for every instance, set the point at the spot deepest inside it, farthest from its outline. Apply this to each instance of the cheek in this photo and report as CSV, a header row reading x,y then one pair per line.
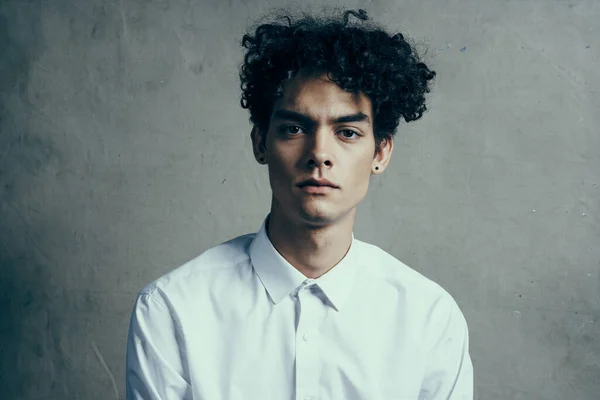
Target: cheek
x,y
363,165
280,170
283,159
361,177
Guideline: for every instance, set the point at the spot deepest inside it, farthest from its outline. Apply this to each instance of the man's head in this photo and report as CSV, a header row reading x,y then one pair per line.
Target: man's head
x,y
325,98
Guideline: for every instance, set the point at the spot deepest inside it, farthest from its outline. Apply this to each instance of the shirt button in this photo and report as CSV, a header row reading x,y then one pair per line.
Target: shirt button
x,y
308,398
305,337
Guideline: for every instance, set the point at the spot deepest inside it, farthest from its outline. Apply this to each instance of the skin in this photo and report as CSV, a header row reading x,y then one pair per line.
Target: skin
x,y
313,232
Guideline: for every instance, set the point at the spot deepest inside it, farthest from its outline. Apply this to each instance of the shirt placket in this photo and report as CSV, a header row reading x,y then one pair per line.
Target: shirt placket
x,y
308,364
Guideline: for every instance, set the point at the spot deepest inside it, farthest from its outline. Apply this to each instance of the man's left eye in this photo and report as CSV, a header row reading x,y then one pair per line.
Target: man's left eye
x,y
348,133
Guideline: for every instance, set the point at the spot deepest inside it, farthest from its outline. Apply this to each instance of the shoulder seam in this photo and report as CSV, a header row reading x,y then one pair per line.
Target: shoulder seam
x,y
150,295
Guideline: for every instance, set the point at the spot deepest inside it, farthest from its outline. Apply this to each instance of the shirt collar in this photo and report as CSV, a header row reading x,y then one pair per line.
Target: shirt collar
x,y
281,279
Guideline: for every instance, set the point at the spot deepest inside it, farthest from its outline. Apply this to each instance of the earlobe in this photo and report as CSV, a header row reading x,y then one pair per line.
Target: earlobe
x,y
258,145
260,157
383,154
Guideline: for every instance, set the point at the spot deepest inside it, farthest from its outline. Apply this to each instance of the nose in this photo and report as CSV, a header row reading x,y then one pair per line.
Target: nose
x,y
319,148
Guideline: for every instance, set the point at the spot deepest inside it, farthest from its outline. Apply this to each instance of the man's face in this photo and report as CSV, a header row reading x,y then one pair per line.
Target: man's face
x,y
317,130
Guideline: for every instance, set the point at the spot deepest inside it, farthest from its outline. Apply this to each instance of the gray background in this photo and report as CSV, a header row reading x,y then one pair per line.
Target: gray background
x,y
124,152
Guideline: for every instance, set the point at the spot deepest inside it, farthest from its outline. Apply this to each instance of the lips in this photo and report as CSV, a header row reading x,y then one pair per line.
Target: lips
x,y
317,182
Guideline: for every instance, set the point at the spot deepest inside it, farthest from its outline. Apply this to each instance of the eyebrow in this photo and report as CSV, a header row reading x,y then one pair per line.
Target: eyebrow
x,y
296,116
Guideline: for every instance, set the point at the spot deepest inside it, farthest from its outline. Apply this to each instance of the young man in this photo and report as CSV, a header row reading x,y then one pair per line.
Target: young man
x,y
301,309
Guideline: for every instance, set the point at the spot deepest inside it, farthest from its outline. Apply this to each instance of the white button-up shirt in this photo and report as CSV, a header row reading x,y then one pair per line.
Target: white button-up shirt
x,y
240,322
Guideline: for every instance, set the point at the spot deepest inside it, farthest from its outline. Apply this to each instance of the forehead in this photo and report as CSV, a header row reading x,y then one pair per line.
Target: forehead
x,y
317,96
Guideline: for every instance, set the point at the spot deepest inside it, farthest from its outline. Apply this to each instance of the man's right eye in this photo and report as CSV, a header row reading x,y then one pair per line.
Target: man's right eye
x,y
290,129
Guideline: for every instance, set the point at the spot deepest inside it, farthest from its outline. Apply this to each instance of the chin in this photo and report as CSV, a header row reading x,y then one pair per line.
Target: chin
x,y
311,210
318,214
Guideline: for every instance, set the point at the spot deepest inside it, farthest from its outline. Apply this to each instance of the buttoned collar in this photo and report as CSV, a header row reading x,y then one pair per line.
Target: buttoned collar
x,y
281,279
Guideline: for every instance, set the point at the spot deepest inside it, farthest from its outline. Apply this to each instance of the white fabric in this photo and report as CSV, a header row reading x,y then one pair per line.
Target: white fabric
x,y
239,322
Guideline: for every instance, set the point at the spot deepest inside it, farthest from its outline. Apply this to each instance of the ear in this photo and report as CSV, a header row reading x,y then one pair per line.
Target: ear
x,y
259,145
383,154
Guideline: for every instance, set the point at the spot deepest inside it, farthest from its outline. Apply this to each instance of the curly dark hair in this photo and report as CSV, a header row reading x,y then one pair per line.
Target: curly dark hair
x,y
386,68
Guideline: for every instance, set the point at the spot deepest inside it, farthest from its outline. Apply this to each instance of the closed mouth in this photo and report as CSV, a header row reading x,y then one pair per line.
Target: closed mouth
x,y
315,183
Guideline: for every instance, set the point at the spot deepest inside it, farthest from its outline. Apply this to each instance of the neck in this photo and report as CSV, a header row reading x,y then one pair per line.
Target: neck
x,y
312,250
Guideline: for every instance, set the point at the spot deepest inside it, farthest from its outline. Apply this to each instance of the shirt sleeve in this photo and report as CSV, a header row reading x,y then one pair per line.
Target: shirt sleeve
x,y
449,370
155,361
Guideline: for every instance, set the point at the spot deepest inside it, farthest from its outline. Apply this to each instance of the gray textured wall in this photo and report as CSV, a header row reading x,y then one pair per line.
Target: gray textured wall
x,y
124,153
